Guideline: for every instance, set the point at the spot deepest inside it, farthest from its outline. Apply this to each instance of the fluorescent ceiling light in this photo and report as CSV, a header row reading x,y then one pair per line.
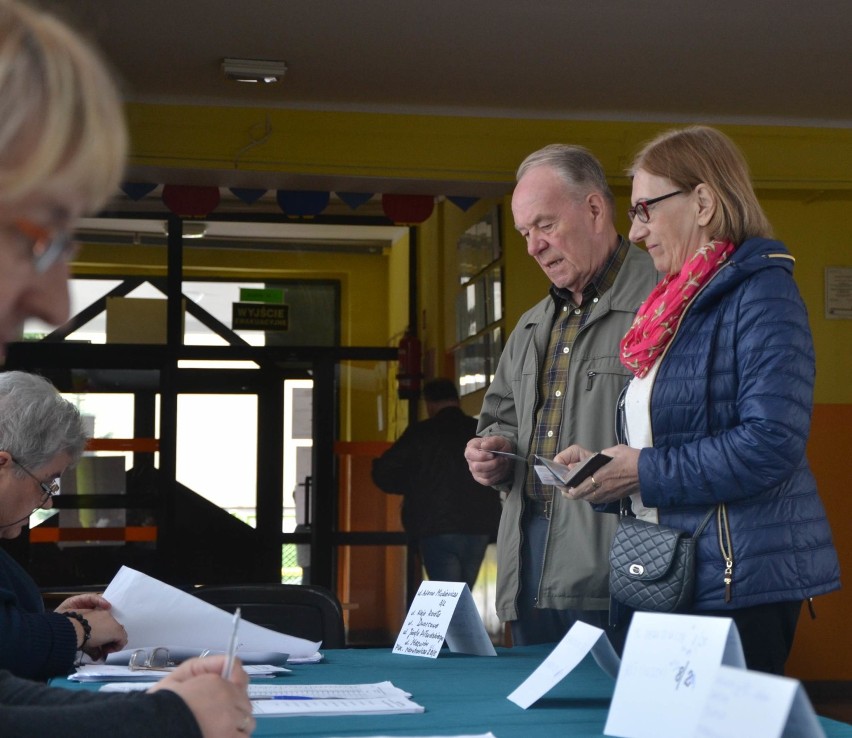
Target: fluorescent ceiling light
x,y
253,70
191,229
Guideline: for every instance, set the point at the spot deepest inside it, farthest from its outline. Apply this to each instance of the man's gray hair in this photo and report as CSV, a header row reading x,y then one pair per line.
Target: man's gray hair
x,y
36,422
576,165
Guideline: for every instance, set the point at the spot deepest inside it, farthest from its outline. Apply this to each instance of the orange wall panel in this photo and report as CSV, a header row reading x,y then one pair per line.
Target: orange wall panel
x,y
823,645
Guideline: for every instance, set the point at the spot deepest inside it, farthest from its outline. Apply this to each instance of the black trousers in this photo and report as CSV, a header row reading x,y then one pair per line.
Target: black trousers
x,y
766,632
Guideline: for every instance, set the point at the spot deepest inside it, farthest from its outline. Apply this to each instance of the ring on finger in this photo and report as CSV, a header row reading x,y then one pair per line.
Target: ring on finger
x,y
595,484
244,725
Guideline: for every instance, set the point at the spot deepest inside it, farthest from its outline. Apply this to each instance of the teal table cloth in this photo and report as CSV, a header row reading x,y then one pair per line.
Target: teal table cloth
x,y
462,694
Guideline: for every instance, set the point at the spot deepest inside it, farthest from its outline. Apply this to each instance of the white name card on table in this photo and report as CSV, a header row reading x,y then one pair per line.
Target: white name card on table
x,y
570,651
443,611
758,705
667,671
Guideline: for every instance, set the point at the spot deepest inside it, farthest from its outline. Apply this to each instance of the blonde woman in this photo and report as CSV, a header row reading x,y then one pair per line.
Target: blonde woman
x,y
719,408
62,152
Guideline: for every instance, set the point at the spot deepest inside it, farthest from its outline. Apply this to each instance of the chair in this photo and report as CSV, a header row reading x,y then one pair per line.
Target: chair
x,y
302,610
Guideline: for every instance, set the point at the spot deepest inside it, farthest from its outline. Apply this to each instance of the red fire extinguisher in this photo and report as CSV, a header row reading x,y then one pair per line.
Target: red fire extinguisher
x,y
408,374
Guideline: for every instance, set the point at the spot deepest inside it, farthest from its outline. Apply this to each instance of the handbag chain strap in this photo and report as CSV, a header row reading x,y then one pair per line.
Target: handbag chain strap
x,y
726,547
724,531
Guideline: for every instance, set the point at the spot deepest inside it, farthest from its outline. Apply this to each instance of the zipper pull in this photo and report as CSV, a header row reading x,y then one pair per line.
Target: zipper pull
x,y
729,571
590,376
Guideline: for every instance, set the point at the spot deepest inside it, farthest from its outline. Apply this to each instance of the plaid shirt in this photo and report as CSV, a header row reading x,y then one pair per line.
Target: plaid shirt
x,y
569,320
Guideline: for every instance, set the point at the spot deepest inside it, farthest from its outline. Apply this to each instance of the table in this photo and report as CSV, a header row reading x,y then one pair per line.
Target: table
x,y
462,695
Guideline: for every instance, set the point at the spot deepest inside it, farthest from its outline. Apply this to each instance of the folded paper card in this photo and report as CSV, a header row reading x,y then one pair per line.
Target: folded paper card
x,y
666,673
577,643
443,611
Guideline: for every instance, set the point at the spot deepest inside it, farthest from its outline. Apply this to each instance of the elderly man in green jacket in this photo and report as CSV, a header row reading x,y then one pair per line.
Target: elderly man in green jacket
x,y
557,384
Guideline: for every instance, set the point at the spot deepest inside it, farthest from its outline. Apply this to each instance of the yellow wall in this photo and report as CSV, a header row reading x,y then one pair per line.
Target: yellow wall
x,y
461,150
802,175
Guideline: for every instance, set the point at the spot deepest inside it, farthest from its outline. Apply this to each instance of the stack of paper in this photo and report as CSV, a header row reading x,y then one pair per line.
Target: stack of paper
x,y
377,706
382,698
179,654
117,673
155,613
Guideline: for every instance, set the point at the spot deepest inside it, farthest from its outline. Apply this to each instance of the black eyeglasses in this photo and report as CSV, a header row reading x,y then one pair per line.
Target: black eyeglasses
x,y
640,209
50,489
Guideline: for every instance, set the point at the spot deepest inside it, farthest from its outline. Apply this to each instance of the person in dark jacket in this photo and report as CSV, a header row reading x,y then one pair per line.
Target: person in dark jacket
x,y
193,701
450,516
41,435
718,411
63,145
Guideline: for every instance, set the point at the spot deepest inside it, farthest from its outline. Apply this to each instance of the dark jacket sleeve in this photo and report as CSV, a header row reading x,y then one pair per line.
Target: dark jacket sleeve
x,y
33,643
30,709
394,469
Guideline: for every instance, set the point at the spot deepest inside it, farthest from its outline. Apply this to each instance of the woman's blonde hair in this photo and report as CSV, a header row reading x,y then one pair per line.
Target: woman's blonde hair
x,y
699,154
62,126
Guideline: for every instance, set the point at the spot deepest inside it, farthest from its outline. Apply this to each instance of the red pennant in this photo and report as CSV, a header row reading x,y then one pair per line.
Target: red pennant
x,y
408,209
189,201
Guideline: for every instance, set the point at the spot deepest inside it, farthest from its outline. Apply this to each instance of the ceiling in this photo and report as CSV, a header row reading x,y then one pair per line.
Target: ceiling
x,y
762,61
775,62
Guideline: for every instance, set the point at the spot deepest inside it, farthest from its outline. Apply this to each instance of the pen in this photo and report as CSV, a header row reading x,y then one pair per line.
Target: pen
x,y
290,697
232,647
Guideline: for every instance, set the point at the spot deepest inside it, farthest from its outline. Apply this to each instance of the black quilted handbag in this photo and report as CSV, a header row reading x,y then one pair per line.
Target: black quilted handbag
x,y
652,567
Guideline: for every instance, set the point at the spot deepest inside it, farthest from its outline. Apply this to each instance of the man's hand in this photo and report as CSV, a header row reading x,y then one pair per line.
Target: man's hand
x,y
487,468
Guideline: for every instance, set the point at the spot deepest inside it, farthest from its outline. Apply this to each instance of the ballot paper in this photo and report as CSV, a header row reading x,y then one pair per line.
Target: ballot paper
x,y
325,691
132,685
119,673
153,612
308,706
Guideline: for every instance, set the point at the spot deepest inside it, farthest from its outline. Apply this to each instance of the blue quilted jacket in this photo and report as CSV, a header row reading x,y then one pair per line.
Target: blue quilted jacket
x,y
730,414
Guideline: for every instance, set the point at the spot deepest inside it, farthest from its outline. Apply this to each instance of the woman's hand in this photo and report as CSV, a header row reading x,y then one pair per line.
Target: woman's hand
x,y
107,634
486,468
614,480
221,707
84,601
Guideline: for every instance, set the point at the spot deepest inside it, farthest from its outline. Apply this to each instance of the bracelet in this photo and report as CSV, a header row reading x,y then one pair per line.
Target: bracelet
x,y
87,629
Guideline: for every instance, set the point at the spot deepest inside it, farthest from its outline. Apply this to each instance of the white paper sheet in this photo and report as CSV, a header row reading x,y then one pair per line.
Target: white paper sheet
x,y
301,707
157,613
327,691
570,651
256,671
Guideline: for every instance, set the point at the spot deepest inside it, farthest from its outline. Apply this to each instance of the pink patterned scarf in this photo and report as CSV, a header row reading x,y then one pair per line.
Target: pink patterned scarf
x,y
659,315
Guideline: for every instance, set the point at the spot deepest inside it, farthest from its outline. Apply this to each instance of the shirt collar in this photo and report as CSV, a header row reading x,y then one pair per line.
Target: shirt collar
x,y
600,282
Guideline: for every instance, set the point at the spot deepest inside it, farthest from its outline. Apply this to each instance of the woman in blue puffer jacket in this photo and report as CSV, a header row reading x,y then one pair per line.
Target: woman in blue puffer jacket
x,y
720,404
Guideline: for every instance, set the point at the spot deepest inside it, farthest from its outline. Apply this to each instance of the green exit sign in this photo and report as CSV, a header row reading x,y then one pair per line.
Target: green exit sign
x,y
257,294
250,316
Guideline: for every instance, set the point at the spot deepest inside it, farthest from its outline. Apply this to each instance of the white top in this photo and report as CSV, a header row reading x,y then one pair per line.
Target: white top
x,y
637,423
